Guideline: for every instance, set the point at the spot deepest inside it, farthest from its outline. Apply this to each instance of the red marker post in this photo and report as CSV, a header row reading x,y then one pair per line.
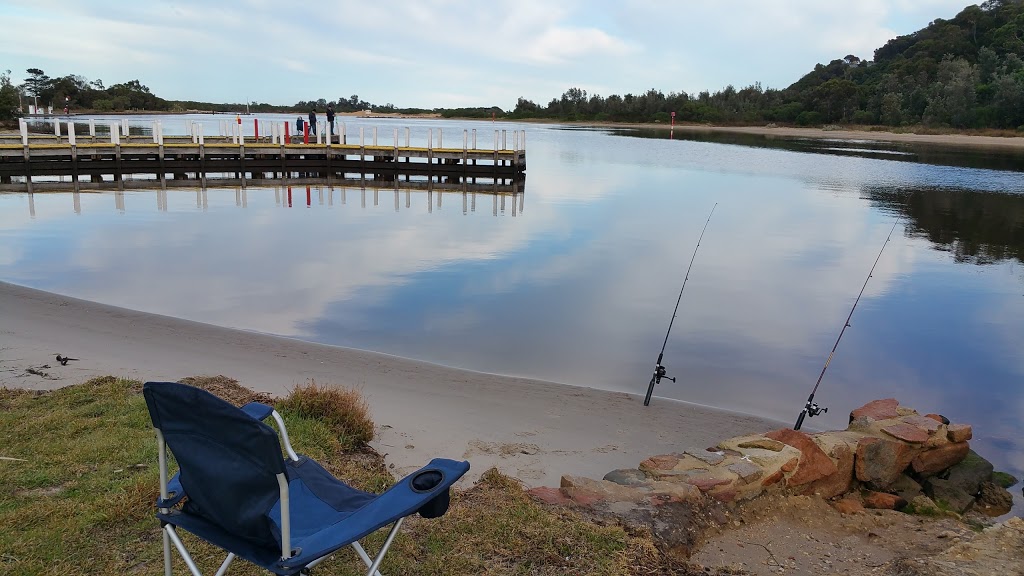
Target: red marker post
x,y
287,136
305,133
673,119
256,128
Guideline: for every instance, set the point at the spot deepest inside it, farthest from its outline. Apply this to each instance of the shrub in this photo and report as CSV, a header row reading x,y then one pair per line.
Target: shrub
x,y
808,118
343,410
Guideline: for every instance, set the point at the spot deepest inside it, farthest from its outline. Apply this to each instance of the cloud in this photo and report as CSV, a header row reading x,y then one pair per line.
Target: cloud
x,y
560,45
428,53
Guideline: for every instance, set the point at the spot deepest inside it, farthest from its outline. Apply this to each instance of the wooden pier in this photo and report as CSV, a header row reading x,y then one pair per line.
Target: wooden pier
x,y
37,158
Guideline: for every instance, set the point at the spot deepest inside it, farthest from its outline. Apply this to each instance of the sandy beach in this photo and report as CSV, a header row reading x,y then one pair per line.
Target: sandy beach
x,y
533,430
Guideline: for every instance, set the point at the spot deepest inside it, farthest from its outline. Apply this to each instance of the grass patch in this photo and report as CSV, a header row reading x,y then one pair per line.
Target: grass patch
x,y
78,499
343,410
1004,479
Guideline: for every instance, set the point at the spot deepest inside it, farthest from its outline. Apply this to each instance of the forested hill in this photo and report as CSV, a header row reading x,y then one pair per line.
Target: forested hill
x,y
967,72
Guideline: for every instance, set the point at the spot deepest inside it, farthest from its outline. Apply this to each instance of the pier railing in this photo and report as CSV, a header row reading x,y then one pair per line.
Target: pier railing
x,y
276,154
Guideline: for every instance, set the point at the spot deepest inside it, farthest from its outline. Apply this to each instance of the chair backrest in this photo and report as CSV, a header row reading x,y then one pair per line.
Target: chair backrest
x,y
227,460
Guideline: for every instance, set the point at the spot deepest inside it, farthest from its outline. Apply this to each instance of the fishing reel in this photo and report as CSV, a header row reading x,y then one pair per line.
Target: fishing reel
x,y
661,372
810,409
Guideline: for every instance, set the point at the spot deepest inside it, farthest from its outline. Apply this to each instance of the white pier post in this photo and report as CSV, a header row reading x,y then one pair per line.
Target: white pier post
x,y
407,137
465,139
430,139
241,135
156,134
71,133
23,128
440,138
361,140
92,128
504,140
56,129
342,136
199,133
114,133
524,148
124,124
474,138
495,140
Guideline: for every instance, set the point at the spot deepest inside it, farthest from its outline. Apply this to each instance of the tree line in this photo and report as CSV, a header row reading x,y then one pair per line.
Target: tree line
x,y
966,72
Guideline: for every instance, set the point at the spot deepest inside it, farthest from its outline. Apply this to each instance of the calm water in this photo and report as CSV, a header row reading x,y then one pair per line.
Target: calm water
x,y
577,283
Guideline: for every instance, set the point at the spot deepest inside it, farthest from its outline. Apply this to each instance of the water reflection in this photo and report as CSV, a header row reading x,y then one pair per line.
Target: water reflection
x,y
995,158
581,290
303,191
974,227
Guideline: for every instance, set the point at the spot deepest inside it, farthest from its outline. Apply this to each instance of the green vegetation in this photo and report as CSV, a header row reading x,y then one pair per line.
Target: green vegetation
x,y
342,410
1004,479
967,72
79,480
8,98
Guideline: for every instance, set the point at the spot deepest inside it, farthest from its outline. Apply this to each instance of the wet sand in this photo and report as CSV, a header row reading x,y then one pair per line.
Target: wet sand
x,y
533,430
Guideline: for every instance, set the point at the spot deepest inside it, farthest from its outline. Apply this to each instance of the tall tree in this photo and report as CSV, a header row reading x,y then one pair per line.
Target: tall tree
x,y
10,107
38,84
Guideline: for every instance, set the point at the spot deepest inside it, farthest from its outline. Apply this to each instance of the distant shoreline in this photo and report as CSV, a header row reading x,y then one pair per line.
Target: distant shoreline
x,y
1013,143
968,140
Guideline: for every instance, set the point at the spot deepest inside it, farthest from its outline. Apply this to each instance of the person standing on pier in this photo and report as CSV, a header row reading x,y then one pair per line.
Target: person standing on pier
x,y
330,119
312,121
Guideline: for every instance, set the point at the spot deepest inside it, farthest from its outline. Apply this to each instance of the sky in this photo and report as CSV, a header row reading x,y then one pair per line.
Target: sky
x,y
445,53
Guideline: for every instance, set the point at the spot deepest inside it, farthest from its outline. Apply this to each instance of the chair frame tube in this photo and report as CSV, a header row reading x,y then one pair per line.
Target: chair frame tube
x,y
286,519
284,436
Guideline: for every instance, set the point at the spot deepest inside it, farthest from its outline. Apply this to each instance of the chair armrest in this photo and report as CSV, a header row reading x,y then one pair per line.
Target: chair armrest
x,y
399,501
257,411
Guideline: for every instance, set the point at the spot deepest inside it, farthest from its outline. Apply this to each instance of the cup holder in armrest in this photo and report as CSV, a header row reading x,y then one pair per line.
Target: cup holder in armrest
x,y
426,481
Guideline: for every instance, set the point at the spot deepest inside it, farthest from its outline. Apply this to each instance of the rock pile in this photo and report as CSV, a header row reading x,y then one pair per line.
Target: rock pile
x,y
889,456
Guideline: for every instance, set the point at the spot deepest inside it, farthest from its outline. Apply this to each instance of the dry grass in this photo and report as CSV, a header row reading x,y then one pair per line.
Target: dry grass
x,y
343,410
228,389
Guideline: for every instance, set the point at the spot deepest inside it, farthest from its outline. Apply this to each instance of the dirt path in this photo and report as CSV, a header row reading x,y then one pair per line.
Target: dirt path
x,y
805,536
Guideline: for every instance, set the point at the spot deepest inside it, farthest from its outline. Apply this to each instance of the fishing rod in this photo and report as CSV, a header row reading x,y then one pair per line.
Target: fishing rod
x,y
811,409
659,370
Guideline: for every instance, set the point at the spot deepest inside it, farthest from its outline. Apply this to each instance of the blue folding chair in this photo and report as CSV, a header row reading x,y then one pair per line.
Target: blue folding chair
x,y
235,489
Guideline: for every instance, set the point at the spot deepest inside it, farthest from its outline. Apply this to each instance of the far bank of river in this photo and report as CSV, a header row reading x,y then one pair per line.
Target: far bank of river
x,y
958,140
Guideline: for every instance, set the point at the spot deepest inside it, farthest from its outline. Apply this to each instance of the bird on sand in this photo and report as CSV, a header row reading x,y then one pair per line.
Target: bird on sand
x,y
64,360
